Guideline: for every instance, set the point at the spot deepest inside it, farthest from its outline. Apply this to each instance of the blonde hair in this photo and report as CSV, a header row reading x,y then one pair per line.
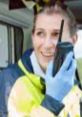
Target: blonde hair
x,y
58,9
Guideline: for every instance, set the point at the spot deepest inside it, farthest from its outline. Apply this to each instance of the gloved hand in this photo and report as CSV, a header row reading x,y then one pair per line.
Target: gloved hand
x,y
59,85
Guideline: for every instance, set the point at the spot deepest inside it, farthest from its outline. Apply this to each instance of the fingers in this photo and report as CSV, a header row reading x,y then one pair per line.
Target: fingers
x,y
71,72
67,63
72,68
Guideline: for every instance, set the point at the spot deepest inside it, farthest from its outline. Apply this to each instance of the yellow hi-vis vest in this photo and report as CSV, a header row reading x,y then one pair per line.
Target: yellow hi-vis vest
x,y
27,94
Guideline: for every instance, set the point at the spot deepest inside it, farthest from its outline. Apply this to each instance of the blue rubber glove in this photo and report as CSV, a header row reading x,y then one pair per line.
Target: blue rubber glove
x,y
59,85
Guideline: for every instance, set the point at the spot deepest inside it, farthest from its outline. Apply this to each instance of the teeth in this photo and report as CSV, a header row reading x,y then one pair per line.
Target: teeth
x,y
47,54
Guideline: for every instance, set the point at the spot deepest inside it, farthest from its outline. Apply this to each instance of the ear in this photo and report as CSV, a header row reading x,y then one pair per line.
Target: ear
x,y
74,38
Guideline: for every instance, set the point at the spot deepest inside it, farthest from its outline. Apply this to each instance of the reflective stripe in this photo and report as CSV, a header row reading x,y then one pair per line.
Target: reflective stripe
x,y
35,79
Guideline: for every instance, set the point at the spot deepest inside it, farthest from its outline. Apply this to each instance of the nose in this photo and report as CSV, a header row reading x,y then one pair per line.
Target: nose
x,y
49,43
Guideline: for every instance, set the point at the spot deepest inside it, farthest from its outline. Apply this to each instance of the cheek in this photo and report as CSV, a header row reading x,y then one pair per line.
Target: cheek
x,y
37,42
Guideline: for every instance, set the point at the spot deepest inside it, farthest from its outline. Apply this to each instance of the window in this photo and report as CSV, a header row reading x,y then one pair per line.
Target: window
x,y
11,44
3,46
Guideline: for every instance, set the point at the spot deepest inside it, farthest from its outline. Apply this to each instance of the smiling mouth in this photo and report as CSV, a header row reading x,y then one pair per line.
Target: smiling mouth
x,y
47,55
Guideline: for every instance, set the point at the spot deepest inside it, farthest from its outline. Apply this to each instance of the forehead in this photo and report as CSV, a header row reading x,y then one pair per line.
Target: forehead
x,y
50,21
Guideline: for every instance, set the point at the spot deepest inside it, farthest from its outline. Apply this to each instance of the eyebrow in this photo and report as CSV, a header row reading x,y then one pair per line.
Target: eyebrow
x,y
39,29
54,30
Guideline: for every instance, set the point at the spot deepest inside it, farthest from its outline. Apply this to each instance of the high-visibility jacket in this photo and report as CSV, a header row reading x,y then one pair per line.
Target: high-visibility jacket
x,y
13,74
28,94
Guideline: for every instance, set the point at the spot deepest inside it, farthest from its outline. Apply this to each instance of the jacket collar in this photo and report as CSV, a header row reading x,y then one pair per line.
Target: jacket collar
x,y
26,60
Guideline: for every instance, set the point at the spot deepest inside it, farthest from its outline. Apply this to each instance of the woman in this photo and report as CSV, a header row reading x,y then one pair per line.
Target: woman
x,y
36,93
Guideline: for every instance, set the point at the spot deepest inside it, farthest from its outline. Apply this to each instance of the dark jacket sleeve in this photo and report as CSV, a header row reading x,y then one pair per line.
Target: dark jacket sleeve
x,y
7,80
53,105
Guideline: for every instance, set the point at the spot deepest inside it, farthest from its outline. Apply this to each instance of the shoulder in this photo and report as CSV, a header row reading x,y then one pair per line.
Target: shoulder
x,y
10,73
8,77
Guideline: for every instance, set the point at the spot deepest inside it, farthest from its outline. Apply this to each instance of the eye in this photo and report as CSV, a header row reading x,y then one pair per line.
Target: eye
x,y
55,34
40,33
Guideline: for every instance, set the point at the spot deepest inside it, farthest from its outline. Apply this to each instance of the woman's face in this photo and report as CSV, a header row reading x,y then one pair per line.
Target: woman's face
x,y
45,37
